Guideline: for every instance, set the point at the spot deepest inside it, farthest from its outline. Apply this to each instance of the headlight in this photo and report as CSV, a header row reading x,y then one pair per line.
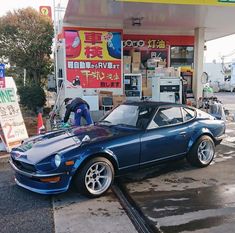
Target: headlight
x,y
57,160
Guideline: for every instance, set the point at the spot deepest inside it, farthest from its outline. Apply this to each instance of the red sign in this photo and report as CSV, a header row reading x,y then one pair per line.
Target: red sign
x,y
45,11
2,83
150,44
154,45
93,58
156,41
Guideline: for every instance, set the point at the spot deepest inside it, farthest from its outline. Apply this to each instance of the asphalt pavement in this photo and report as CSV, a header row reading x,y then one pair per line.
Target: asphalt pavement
x,y
22,211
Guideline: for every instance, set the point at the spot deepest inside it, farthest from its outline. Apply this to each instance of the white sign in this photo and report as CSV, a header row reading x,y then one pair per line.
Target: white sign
x,y
11,120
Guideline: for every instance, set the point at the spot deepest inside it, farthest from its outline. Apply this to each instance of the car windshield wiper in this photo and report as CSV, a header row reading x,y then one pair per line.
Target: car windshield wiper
x,y
125,125
105,122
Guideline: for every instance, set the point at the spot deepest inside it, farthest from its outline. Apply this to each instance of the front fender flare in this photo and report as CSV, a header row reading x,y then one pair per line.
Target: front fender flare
x,y
94,152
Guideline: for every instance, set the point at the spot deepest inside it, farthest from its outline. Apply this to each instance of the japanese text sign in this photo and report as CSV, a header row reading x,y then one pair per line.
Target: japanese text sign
x,y
13,129
93,58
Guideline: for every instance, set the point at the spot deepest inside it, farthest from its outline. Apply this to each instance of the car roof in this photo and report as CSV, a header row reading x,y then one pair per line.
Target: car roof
x,y
149,103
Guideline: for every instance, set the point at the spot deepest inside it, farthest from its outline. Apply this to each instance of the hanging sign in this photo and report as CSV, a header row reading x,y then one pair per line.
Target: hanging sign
x,y
93,58
45,11
13,130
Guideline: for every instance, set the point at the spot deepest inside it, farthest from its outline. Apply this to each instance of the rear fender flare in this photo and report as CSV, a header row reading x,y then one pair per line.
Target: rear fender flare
x,y
198,134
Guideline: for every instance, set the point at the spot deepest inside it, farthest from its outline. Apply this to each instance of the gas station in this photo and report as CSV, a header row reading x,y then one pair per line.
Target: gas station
x,y
121,46
122,50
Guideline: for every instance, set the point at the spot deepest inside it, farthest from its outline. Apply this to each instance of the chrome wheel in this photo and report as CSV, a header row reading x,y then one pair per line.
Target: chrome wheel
x,y
98,178
205,152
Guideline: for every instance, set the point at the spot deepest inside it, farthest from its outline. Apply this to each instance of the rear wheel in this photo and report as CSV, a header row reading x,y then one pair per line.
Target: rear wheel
x,y
95,178
202,152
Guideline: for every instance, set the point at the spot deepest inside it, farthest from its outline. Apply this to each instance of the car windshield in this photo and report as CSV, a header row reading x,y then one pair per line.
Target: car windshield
x,y
129,115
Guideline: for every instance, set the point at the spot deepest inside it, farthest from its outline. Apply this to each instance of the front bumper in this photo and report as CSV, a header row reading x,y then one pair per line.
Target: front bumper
x,y
31,181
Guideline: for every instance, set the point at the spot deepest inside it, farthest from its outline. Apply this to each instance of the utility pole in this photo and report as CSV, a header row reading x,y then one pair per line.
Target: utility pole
x,y
55,47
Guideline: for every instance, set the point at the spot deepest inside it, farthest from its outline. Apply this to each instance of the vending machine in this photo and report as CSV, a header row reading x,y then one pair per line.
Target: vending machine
x,y
133,86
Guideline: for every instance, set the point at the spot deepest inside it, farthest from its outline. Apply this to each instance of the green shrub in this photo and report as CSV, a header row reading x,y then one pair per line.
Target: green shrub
x,y
32,97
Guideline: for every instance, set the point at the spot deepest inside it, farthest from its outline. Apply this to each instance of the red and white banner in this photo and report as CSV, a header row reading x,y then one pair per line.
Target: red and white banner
x,y
93,58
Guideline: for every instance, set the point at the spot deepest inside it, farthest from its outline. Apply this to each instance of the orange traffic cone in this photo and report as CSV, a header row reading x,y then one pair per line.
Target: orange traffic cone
x,y
40,127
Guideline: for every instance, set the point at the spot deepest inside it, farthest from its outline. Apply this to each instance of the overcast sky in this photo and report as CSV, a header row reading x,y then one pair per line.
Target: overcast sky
x,y
215,49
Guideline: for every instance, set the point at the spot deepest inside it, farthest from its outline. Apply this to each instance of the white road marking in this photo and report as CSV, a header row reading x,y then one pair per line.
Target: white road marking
x,y
185,218
229,130
230,139
226,143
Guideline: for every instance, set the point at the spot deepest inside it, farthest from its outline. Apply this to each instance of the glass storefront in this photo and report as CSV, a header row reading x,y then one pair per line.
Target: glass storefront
x,y
181,56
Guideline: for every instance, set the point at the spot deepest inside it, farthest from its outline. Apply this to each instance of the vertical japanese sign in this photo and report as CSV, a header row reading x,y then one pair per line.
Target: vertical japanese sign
x,y
13,129
93,58
2,76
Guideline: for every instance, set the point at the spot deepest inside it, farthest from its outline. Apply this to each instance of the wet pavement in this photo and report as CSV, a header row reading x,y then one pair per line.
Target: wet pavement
x,y
176,197
230,134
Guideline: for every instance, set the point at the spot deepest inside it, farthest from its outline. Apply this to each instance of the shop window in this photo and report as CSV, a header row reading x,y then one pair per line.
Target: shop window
x,y
181,56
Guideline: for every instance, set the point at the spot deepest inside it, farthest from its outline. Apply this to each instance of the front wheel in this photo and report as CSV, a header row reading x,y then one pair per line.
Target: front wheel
x,y
95,178
202,152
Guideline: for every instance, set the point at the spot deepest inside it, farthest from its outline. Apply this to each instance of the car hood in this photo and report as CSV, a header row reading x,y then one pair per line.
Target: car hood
x,y
40,147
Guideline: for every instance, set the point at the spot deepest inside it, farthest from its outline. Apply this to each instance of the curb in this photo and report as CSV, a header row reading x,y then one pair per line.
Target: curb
x,y
140,222
4,158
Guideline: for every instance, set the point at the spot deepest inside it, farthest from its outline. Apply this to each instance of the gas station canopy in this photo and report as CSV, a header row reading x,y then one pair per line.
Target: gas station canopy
x,y
159,17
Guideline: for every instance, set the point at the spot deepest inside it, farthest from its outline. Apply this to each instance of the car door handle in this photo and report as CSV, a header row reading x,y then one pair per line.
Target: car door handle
x,y
183,133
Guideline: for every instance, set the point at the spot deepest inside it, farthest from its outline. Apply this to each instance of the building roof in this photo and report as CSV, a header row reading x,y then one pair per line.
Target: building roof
x,y
155,18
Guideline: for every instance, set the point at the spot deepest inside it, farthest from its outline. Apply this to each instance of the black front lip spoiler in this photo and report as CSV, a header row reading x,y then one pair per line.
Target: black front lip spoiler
x,y
33,174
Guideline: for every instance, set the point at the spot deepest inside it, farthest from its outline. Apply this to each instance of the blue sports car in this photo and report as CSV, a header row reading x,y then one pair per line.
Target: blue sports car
x,y
131,136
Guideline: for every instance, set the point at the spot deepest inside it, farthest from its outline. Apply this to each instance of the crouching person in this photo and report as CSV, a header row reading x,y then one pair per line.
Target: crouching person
x,y
80,108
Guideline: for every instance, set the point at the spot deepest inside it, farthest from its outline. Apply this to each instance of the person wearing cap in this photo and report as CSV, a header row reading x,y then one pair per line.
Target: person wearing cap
x,y
80,108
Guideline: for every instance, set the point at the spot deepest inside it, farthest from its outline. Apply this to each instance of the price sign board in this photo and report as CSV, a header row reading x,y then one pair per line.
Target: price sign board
x,y
13,130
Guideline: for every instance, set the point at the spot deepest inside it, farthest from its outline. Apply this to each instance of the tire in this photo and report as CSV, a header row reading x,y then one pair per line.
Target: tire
x,y
95,177
202,152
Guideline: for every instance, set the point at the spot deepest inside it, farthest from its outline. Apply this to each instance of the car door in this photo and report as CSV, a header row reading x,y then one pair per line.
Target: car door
x,y
166,135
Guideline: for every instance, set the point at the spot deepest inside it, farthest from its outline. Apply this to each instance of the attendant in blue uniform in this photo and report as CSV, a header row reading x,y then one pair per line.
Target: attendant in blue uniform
x,y
80,108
